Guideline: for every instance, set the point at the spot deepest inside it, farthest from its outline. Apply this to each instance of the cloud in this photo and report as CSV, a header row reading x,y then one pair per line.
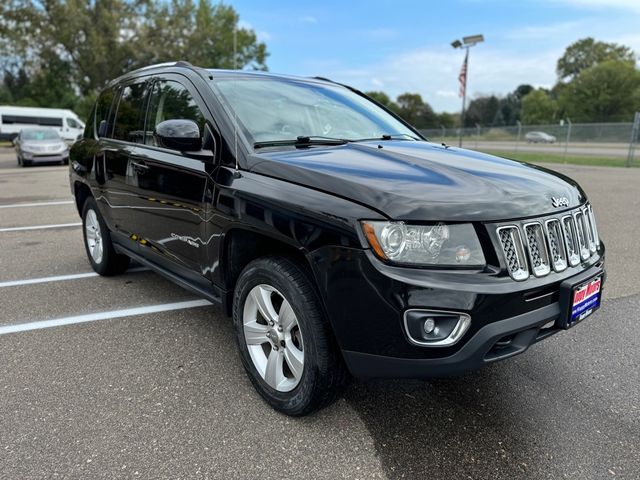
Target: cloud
x,y
309,19
433,73
263,36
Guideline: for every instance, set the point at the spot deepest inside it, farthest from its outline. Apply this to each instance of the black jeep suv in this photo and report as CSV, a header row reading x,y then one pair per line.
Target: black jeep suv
x,y
338,238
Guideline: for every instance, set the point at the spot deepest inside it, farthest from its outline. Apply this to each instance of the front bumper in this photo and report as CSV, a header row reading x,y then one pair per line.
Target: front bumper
x,y
366,301
40,158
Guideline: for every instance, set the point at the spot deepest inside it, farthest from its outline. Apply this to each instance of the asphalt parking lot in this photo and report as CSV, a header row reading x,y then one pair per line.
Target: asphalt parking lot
x,y
149,392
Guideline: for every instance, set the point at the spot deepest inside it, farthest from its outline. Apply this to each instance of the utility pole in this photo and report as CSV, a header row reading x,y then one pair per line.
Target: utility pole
x,y
465,44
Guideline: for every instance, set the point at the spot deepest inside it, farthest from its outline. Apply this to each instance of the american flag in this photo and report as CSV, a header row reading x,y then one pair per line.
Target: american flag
x,y
463,76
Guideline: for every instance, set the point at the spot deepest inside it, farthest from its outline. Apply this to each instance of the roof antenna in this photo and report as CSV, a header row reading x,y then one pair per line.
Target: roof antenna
x,y
235,115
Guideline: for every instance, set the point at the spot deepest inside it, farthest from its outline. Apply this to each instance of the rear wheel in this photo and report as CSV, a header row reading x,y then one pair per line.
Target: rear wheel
x,y
285,342
97,241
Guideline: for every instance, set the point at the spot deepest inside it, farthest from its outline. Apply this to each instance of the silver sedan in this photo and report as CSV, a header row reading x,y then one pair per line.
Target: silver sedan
x,y
38,145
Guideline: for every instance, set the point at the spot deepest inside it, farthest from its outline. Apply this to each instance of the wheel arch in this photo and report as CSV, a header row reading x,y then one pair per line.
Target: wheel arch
x,y
81,192
241,246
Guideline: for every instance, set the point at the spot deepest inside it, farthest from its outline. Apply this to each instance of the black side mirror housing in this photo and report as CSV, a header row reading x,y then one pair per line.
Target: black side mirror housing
x,y
179,134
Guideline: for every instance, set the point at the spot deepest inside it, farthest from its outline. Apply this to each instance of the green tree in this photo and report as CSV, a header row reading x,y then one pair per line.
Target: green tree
x,y
587,53
538,107
607,92
383,99
482,110
446,120
90,42
416,111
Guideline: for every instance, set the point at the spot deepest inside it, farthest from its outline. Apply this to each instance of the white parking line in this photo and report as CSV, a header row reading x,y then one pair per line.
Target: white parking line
x,y
93,317
60,278
40,227
36,204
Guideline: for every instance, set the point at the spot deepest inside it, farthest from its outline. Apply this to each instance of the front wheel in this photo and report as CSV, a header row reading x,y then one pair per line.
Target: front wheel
x,y
97,241
284,339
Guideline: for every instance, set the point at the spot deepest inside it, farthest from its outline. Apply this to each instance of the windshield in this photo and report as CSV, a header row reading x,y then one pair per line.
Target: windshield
x,y
272,109
40,135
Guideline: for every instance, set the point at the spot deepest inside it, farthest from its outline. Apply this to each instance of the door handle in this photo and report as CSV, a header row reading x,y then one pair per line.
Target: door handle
x,y
141,168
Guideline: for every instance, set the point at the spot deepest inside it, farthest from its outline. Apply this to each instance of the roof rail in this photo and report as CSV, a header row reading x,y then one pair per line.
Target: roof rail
x,y
323,79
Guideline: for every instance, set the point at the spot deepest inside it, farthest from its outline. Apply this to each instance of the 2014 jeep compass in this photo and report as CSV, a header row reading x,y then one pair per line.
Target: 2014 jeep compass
x,y
338,238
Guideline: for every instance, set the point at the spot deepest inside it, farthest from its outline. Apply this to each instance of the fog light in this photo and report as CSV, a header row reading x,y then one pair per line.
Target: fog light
x,y
429,325
435,328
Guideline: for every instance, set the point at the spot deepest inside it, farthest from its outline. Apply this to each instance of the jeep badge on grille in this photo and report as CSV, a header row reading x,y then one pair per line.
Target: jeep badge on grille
x,y
558,202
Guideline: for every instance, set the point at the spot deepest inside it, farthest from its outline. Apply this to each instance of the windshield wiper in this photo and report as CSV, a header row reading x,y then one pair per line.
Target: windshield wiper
x,y
387,136
302,141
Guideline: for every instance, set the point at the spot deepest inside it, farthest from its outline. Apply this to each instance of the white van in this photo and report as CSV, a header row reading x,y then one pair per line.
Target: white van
x,y
14,119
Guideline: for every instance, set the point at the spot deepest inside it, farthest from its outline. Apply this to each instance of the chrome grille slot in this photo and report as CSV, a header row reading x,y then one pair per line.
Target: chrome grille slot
x,y
514,252
594,228
537,247
571,241
581,233
557,249
589,229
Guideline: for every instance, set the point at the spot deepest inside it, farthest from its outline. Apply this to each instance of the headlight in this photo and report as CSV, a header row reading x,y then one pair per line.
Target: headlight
x,y
436,244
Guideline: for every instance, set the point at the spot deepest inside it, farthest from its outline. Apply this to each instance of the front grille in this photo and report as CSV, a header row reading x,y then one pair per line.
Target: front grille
x,y
551,243
514,252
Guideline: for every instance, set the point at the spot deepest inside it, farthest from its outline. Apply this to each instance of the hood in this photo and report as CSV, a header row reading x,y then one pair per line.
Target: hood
x,y
422,181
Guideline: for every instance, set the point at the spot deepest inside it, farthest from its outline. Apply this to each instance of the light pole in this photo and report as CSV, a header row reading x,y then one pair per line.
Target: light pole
x,y
466,44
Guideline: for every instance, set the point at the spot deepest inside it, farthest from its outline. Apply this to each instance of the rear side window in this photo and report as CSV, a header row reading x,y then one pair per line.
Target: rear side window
x,y
72,123
103,107
130,114
171,100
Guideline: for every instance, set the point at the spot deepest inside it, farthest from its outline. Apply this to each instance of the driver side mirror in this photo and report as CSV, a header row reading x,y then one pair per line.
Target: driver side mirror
x,y
179,134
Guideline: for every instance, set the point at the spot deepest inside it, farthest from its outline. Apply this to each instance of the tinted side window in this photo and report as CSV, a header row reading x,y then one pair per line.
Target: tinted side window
x,y
103,106
130,114
169,101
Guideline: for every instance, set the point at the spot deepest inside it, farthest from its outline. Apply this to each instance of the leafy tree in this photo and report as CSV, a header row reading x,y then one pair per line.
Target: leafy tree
x,y
447,120
538,107
482,110
66,49
202,35
383,99
609,91
588,53
415,111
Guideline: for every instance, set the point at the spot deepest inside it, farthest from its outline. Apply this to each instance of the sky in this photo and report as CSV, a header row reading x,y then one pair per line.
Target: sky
x,y
404,46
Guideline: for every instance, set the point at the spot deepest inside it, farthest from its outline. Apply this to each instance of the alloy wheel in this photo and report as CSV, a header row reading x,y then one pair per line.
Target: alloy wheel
x,y
94,236
273,338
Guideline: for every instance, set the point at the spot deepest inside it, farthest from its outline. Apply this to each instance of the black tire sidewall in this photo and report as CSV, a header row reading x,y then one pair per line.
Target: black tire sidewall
x,y
111,263
310,320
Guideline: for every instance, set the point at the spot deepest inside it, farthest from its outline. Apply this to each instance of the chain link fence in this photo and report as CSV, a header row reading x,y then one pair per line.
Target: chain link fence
x,y
597,143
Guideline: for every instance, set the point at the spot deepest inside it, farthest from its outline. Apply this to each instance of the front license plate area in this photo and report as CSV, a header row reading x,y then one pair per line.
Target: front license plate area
x,y
584,299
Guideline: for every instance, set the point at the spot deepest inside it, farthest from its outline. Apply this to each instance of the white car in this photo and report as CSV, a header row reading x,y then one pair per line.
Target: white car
x,y
64,122
539,137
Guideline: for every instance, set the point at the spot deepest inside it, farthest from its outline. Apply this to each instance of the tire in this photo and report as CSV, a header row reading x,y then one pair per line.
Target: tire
x,y
97,242
309,370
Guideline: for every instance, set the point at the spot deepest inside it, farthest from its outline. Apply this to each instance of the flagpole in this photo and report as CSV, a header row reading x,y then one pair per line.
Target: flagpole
x,y
466,43
464,95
